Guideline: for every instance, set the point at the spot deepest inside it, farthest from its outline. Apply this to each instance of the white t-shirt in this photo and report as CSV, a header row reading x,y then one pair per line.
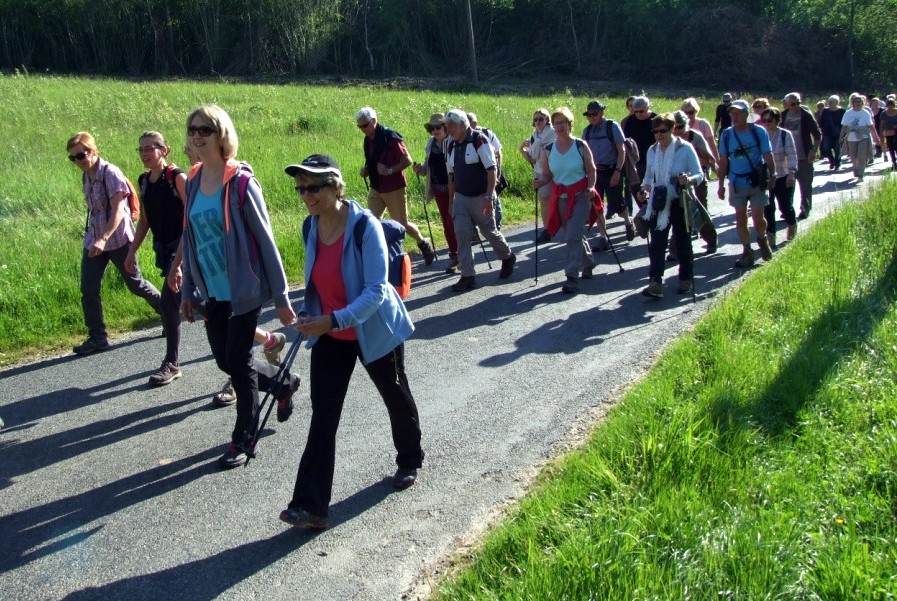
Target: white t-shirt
x,y
854,119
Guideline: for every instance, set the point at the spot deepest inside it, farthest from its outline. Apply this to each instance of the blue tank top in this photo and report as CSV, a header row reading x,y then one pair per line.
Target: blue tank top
x,y
566,168
207,224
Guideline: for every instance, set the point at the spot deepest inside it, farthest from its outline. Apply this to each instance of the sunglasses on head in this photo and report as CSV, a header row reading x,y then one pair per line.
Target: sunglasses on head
x,y
660,131
302,190
78,156
204,131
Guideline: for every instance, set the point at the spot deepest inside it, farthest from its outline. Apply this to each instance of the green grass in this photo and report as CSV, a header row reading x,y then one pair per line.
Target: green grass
x,y
756,460
42,209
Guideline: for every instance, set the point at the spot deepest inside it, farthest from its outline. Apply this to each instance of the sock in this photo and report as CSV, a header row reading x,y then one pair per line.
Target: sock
x,y
269,340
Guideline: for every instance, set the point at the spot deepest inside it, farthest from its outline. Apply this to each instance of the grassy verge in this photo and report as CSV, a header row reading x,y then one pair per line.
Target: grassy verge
x,y
757,460
42,209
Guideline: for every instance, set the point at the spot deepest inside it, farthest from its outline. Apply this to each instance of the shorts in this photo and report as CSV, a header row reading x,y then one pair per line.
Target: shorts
x,y
740,197
394,202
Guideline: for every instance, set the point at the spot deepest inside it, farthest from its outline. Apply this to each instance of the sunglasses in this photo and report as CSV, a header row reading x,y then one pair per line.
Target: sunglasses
x,y
593,113
556,123
79,156
640,111
302,190
660,131
771,120
203,131
143,149
540,118
363,125
689,113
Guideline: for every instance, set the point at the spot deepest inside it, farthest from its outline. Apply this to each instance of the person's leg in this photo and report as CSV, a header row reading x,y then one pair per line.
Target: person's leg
x,y
657,246
769,211
683,242
496,209
171,318
239,337
852,154
463,224
330,369
480,209
397,205
544,194
574,234
134,281
388,375
708,230
862,157
892,149
376,204
805,181
92,269
448,225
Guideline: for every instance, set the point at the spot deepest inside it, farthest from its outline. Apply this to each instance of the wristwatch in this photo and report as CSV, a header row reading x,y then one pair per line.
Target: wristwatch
x,y
334,324
389,171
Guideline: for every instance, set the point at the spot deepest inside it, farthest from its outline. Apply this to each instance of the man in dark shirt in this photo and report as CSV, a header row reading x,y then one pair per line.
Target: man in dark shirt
x,y
723,120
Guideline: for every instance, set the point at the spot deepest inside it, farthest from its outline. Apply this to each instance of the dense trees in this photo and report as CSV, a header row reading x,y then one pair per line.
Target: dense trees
x,y
765,43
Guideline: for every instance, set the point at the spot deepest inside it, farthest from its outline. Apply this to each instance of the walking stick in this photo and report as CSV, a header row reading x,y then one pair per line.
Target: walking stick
x,y
614,251
426,214
476,233
536,235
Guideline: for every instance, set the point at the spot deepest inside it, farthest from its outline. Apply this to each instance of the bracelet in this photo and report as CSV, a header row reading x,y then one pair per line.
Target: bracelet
x,y
334,324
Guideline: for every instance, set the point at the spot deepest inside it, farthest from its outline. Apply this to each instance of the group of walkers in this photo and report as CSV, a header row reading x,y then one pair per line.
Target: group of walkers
x,y
212,237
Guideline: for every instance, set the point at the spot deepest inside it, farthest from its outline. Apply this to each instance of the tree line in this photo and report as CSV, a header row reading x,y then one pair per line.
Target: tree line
x,y
765,44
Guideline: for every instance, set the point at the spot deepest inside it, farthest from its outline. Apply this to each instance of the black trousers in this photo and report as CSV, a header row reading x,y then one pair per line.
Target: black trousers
x,y
658,245
331,367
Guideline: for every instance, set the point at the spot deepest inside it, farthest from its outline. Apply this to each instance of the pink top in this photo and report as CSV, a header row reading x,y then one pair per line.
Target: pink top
x,y
327,276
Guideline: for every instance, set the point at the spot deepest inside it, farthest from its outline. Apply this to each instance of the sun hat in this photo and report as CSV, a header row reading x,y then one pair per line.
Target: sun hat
x,y
594,106
317,164
436,119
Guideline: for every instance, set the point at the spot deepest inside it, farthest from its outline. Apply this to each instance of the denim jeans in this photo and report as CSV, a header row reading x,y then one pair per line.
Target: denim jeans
x,y
331,366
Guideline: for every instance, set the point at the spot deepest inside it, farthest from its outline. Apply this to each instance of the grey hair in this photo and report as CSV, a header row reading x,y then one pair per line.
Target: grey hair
x,y
472,118
458,117
640,102
834,98
366,113
793,97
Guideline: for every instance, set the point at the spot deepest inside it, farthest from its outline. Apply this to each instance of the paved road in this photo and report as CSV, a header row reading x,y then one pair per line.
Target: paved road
x,y
109,489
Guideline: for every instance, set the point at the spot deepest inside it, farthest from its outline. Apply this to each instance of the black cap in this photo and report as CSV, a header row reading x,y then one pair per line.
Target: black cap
x,y
593,107
317,164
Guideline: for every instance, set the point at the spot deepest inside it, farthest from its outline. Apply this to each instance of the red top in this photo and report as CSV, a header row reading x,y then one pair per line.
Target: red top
x,y
327,276
395,151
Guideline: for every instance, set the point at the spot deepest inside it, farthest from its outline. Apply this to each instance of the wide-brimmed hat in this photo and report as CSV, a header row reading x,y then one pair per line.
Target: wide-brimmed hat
x,y
436,119
317,164
594,106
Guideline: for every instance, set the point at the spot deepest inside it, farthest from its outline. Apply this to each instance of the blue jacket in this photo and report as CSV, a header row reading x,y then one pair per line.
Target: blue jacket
x,y
254,269
375,310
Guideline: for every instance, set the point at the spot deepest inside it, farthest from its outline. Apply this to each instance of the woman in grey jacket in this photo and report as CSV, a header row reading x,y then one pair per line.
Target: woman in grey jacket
x,y
230,258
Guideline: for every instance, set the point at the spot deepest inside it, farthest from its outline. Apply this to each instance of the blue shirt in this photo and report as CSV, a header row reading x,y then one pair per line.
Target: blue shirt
x,y
207,223
745,152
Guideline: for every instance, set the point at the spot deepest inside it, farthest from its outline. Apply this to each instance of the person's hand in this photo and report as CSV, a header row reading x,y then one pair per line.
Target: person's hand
x,y
131,262
615,179
174,279
383,169
416,168
683,179
771,184
721,191
363,172
313,326
642,195
286,315
187,310
789,181
537,183
97,248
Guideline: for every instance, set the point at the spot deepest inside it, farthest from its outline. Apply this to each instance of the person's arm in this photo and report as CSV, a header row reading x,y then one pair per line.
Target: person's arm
x,y
523,149
545,169
722,170
174,279
588,163
116,208
139,235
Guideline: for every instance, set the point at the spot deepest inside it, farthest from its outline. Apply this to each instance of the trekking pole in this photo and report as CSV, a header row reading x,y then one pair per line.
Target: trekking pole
x,y
276,385
614,251
423,193
476,233
536,235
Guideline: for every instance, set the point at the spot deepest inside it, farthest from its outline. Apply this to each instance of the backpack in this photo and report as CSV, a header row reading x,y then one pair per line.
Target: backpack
x,y
133,198
170,173
632,153
398,269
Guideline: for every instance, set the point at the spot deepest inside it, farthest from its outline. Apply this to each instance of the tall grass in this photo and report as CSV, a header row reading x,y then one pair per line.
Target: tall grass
x,y
757,460
42,209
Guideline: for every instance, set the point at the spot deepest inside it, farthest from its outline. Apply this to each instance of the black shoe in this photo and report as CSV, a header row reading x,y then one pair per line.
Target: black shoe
x,y
571,286
404,478
544,237
235,456
427,251
91,346
299,518
285,405
671,258
507,267
803,215
467,282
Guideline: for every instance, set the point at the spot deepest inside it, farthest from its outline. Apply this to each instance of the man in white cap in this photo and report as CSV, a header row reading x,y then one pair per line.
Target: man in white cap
x,y
744,154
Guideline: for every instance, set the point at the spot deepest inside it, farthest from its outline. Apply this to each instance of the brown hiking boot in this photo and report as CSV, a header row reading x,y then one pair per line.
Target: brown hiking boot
x,y
792,232
746,259
654,290
765,250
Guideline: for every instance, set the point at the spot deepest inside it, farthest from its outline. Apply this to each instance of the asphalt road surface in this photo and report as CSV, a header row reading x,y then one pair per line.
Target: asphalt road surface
x,y
109,489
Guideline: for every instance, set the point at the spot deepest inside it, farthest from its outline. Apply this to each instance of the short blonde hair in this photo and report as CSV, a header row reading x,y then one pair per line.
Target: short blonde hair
x,y
84,139
215,117
691,103
565,112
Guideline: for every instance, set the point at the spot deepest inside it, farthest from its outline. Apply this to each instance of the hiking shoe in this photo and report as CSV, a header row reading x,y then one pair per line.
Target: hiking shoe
x,y
234,456
792,232
299,518
746,259
427,251
765,250
587,271
272,355
467,282
671,258
771,238
507,267
601,244
803,215
285,404
685,286
453,266
654,290
226,397
571,287
91,346
166,374
404,478
544,237
630,231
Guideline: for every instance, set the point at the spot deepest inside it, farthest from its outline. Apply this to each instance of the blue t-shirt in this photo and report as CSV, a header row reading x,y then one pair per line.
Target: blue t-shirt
x,y
604,149
207,224
743,152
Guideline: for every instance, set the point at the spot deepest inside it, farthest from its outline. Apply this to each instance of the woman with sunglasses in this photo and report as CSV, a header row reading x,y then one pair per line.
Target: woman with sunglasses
x,y
107,237
784,153
531,150
568,166
691,108
162,195
231,260
671,165
350,312
436,172
857,129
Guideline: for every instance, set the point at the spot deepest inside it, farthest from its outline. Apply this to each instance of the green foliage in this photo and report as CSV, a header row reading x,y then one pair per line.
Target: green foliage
x,y
757,460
